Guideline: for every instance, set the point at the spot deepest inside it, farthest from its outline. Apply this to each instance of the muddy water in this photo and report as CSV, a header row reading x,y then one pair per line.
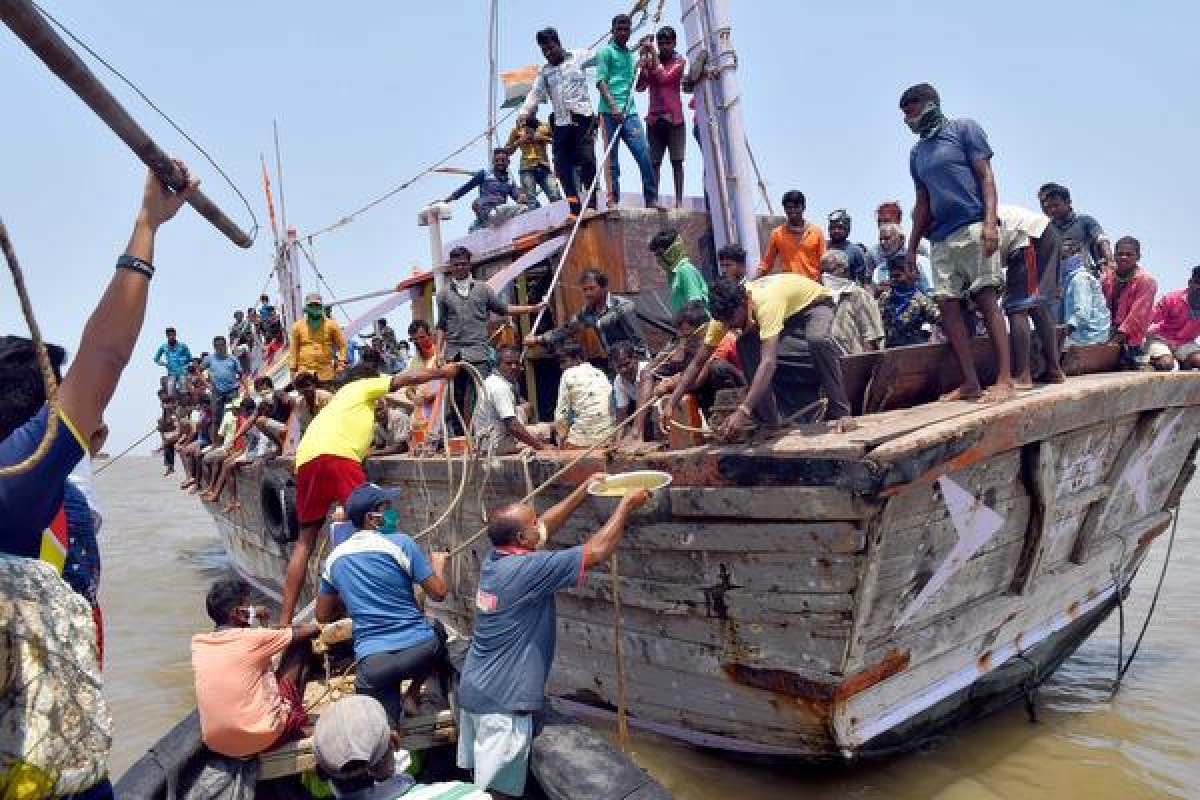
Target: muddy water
x,y
161,553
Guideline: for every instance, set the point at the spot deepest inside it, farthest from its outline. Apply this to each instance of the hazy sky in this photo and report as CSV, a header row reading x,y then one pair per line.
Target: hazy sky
x,y
1097,95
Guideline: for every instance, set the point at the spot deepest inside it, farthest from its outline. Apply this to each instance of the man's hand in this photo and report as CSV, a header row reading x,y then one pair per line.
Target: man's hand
x,y
531,340
990,239
635,499
664,419
159,202
438,562
596,477
734,424
448,371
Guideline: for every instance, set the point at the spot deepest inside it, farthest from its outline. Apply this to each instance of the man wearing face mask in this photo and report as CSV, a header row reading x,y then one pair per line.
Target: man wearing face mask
x,y
957,210
373,575
463,308
684,281
512,647
891,244
1174,328
317,344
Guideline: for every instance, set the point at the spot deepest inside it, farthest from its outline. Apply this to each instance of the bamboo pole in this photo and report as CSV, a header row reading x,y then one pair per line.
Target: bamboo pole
x,y
32,28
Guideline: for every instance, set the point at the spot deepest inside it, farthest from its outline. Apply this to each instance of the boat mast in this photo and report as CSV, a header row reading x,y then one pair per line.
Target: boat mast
x,y
729,173
493,75
287,266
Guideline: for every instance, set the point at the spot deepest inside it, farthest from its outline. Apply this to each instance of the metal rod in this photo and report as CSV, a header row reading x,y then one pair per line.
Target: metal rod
x,y
32,28
279,176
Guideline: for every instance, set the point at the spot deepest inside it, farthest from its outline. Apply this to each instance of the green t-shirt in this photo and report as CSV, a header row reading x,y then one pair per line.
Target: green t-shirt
x,y
614,65
686,284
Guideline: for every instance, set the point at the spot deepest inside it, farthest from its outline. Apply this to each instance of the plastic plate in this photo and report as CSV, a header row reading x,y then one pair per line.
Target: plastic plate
x,y
618,485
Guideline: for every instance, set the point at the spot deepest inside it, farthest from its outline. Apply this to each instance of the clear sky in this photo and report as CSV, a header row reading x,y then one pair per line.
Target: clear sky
x,y
1098,95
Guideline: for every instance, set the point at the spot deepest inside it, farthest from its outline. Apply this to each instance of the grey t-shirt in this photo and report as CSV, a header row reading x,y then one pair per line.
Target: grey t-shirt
x,y
498,403
464,320
512,646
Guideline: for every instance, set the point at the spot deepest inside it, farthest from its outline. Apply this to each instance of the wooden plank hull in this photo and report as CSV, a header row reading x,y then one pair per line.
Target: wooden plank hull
x,y
836,595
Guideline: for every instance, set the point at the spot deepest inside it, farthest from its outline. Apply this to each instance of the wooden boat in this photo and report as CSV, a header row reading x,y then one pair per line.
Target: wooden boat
x,y
820,595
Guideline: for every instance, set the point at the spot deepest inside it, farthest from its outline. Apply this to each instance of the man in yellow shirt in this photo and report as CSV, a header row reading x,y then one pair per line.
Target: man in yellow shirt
x,y
317,344
329,460
776,315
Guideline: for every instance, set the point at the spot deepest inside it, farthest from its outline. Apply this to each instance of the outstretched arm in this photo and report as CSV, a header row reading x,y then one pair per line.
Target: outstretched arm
x,y
557,515
402,379
603,543
111,332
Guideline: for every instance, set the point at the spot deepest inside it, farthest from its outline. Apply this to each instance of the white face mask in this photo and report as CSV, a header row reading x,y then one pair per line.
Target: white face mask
x,y
462,288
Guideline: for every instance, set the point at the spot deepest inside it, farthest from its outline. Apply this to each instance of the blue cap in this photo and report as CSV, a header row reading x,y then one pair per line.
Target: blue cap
x,y
365,499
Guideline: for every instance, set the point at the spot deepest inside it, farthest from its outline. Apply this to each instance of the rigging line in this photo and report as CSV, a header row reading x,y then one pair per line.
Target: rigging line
x,y
254,228
312,262
124,452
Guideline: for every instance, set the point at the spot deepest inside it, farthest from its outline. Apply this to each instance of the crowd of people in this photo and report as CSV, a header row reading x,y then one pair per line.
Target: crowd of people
x,y
652,66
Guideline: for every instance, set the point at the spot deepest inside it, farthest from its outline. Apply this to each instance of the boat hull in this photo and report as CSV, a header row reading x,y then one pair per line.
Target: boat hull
x,y
829,595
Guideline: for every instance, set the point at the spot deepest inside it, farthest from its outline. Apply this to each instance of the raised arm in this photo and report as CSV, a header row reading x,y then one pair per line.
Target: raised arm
x,y
557,515
475,181
603,543
417,376
111,332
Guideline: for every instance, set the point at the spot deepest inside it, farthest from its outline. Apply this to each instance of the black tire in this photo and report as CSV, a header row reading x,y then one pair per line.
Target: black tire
x,y
278,500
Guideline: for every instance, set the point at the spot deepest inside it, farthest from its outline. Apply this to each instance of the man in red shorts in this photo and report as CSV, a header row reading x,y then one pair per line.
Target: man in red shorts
x,y
329,460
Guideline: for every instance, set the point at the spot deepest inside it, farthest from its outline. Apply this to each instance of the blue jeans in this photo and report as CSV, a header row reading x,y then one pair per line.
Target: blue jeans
x,y
634,136
539,177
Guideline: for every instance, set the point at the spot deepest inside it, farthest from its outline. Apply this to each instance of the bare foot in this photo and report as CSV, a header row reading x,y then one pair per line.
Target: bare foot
x,y
1054,377
999,392
964,392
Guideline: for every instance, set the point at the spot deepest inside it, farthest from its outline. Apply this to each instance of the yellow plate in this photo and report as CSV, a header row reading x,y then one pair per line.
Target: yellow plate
x,y
618,485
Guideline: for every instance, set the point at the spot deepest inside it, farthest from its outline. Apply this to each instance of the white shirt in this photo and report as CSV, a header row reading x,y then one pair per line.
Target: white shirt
x,y
565,85
583,402
624,392
1017,226
498,404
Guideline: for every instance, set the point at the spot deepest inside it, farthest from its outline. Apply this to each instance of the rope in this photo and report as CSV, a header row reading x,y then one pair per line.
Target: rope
x,y
618,656
312,262
249,209
45,367
1162,576
124,452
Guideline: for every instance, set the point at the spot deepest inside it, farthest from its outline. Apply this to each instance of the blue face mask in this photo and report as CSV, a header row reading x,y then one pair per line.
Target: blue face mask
x,y
391,521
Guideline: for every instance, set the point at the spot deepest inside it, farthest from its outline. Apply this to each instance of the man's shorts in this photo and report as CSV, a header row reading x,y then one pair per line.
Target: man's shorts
x,y
1022,280
496,747
663,137
323,481
1157,347
959,267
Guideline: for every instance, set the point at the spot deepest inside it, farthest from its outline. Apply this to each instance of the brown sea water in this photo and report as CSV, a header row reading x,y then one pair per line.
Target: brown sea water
x,y
161,552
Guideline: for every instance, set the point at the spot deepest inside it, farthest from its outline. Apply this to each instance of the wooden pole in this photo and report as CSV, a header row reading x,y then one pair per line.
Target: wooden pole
x,y
33,29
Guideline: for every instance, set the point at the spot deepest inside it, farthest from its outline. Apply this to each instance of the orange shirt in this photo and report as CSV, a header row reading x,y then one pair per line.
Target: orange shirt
x,y
799,253
241,712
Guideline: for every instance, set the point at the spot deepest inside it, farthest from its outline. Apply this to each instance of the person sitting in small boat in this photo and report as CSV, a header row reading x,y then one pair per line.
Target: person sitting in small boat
x,y
495,189
1085,310
353,746
503,681
329,460
1129,291
909,313
373,576
583,413
614,319
797,245
498,425
684,281
533,137
1174,328
779,316
857,326
247,706
731,262
1026,259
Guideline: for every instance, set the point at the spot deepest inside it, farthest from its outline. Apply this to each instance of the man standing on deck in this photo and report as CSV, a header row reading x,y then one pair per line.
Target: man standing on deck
x,y
512,647
797,244
317,344
563,82
684,281
615,68
856,254
957,209
225,374
175,356
463,307
329,461
776,314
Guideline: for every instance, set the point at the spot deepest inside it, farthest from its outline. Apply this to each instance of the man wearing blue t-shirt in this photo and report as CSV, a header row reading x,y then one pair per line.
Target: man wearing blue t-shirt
x,y
512,648
225,375
374,574
175,356
957,210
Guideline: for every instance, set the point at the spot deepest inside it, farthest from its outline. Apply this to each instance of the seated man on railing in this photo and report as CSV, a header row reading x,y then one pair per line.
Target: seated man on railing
x,y
496,188
583,414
